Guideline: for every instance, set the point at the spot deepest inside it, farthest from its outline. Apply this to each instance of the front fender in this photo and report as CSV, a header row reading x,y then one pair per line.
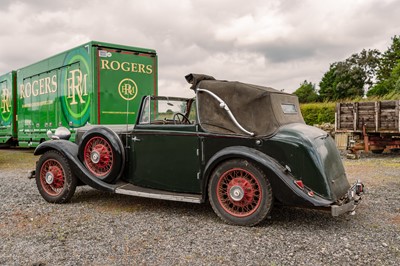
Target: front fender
x,y
70,151
63,146
282,182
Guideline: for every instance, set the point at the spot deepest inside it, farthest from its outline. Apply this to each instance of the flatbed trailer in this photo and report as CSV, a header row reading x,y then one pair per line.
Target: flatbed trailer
x,y
369,126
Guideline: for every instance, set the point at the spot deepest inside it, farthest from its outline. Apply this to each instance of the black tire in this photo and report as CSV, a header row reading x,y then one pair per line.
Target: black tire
x,y
377,151
103,154
240,193
54,178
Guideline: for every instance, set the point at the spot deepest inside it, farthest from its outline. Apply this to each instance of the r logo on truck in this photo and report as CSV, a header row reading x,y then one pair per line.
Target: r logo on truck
x,y
5,100
128,89
5,105
77,88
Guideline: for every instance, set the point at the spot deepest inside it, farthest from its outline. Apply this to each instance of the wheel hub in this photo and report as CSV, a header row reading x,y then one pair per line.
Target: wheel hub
x,y
49,178
95,156
236,193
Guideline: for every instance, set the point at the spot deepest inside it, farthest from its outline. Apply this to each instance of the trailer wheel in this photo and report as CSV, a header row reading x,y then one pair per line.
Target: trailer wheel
x,y
102,152
380,151
54,178
240,193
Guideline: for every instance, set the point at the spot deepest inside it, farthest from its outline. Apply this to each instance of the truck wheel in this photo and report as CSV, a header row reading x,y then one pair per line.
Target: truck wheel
x,y
102,153
380,151
240,193
54,178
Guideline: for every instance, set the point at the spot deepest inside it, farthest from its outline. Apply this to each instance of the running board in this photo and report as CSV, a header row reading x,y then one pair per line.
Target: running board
x,y
129,189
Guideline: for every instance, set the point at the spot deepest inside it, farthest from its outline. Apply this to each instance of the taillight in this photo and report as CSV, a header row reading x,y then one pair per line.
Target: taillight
x,y
359,188
299,183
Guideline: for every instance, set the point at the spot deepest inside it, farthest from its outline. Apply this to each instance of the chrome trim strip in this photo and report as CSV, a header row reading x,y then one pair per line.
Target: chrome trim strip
x,y
223,105
158,196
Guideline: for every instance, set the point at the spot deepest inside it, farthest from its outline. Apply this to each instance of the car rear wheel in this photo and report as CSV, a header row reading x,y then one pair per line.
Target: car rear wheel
x,y
240,193
102,152
54,178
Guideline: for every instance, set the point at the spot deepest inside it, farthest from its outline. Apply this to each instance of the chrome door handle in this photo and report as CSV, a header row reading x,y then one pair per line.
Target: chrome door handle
x,y
135,139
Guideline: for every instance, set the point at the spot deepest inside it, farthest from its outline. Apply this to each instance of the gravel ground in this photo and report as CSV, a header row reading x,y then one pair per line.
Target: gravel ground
x,y
98,228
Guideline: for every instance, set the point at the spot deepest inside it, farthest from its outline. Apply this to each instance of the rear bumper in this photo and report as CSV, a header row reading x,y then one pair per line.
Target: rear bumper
x,y
350,200
337,210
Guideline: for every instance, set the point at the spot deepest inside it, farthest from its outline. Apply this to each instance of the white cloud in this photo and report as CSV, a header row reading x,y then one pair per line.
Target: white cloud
x,y
272,43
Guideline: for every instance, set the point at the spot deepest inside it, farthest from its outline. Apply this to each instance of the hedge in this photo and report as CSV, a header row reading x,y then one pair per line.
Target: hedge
x,y
318,113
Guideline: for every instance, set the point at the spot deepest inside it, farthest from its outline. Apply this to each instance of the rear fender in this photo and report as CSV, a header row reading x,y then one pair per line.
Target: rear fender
x,y
282,182
70,151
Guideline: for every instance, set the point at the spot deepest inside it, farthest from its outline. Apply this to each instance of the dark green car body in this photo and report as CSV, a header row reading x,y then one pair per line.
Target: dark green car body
x,y
238,145
185,155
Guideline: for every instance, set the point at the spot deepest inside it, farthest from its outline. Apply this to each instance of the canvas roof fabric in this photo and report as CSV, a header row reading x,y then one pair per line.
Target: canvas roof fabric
x,y
260,110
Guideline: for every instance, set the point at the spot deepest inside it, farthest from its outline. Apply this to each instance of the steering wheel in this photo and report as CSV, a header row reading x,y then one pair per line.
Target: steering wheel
x,y
180,118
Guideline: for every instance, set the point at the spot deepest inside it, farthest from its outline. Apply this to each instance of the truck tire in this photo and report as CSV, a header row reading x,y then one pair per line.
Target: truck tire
x,y
103,154
240,193
54,178
380,151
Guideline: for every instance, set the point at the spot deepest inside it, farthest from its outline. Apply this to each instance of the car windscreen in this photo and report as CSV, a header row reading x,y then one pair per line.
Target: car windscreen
x,y
165,110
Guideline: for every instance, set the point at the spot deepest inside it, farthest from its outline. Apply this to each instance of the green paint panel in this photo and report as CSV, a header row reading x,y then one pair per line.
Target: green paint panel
x,y
166,161
125,78
95,83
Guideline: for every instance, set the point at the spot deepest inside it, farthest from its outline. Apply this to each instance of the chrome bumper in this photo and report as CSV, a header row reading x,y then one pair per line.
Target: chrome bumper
x,y
351,200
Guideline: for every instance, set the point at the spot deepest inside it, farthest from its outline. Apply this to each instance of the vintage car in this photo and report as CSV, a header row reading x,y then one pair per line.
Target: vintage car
x,y
241,147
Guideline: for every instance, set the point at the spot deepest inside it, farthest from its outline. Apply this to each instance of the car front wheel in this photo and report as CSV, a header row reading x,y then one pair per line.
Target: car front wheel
x,y
102,153
54,178
240,193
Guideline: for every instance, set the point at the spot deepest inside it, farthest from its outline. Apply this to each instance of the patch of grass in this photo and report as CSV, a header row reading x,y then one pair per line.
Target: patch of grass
x,y
17,159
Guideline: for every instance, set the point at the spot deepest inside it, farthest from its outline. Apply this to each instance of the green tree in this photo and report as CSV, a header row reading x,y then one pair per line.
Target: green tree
x,y
342,81
306,92
388,73
389,60
368,62
350,78
328,84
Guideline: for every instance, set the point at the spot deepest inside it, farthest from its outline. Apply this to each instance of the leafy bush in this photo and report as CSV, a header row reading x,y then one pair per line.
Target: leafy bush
x,y
318,113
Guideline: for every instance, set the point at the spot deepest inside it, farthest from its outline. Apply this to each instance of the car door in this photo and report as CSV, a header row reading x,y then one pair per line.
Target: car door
x,y
165,154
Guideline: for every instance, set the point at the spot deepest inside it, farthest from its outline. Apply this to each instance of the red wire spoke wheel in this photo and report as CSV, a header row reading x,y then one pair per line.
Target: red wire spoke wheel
x,y
54,178
103,154
240,193
98,156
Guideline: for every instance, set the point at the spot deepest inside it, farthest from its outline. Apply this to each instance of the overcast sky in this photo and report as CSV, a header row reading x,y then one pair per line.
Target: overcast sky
x,y
272,43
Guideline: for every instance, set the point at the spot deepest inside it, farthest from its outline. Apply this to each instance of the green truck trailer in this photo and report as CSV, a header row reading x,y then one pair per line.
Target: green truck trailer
x,y
95,83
